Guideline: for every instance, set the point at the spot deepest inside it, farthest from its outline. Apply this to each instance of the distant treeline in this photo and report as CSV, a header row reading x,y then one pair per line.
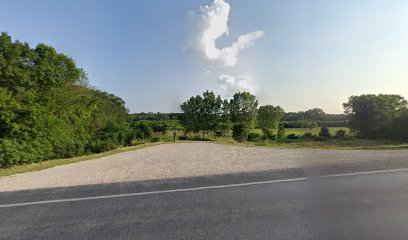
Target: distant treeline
x,y
308,119
314,117
155,116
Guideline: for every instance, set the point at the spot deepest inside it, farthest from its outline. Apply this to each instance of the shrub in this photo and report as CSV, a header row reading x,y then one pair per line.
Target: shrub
x,y
183,138
198,138
155,139
142,131
240,132
218,134
340,133
319,139
271,137
324,132
281,130
136,142
223,129
308,135
254,136
292,136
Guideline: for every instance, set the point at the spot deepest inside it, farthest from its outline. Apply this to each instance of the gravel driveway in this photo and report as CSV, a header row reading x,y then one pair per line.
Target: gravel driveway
x,y
190,159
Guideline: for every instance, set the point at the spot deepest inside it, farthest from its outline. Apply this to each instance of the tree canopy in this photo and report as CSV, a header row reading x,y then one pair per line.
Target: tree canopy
x,y
268,118
374,116
48,111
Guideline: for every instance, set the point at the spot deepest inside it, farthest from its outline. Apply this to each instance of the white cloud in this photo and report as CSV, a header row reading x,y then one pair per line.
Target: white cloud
x,y
230,85
209,25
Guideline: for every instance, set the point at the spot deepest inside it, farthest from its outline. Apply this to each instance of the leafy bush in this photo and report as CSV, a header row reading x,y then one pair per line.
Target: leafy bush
x,y
308,135
319,139
281,131
183,137
292,136
254,136
341,133
142,130
271,137
155,139
324,132
240,132
47,110
136,142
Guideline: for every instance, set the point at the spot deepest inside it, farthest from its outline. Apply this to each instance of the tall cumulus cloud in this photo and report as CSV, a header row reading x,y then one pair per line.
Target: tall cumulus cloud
x,y
230,84
210,24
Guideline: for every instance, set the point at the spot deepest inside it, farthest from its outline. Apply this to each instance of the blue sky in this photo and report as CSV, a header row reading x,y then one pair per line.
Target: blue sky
x,y
312,53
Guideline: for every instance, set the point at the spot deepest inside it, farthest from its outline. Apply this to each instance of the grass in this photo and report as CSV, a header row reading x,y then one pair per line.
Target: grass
x,y
301,131
345,144
349,142
56,162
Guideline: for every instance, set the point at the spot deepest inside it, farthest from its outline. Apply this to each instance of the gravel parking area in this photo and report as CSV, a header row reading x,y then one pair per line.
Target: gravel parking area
x,y
191,159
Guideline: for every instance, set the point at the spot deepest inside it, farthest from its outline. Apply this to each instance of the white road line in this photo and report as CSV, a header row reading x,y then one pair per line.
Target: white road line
x,y
197,188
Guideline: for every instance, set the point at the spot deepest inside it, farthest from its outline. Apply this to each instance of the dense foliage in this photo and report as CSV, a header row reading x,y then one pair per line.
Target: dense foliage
x,y
378,116
240,114
268,119
316,116
47,111
155,116
210,113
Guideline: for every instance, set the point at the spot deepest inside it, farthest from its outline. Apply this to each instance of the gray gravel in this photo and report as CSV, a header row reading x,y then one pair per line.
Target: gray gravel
x,y
191,159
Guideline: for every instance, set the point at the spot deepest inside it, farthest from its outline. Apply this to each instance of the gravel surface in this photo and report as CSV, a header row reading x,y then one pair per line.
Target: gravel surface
x,y
191,159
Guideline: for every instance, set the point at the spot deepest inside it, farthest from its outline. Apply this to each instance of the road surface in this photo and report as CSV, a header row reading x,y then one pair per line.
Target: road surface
x,y
368,206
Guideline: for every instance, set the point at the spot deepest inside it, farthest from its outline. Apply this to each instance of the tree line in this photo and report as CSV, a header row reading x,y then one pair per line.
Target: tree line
x,y
47,109
211,113
368,116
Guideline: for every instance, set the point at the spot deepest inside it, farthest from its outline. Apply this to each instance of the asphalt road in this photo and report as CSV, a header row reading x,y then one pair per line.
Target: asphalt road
x,y
357,206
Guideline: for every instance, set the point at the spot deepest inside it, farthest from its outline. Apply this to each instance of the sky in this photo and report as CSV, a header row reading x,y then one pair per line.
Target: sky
x,y
155,54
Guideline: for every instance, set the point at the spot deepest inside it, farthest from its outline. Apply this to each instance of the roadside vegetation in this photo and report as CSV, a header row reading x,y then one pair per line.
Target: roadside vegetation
x,y
369,122
48,110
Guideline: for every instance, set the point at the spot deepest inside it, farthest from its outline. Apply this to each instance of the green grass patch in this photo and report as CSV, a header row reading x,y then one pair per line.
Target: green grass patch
x,y
315,131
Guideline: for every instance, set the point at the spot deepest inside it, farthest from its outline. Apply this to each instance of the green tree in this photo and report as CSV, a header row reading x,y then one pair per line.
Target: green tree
x,y
268,118
371,116
324,132
211,111
191,118
281,130
243,109
240,132
48,110
202,113
314,114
